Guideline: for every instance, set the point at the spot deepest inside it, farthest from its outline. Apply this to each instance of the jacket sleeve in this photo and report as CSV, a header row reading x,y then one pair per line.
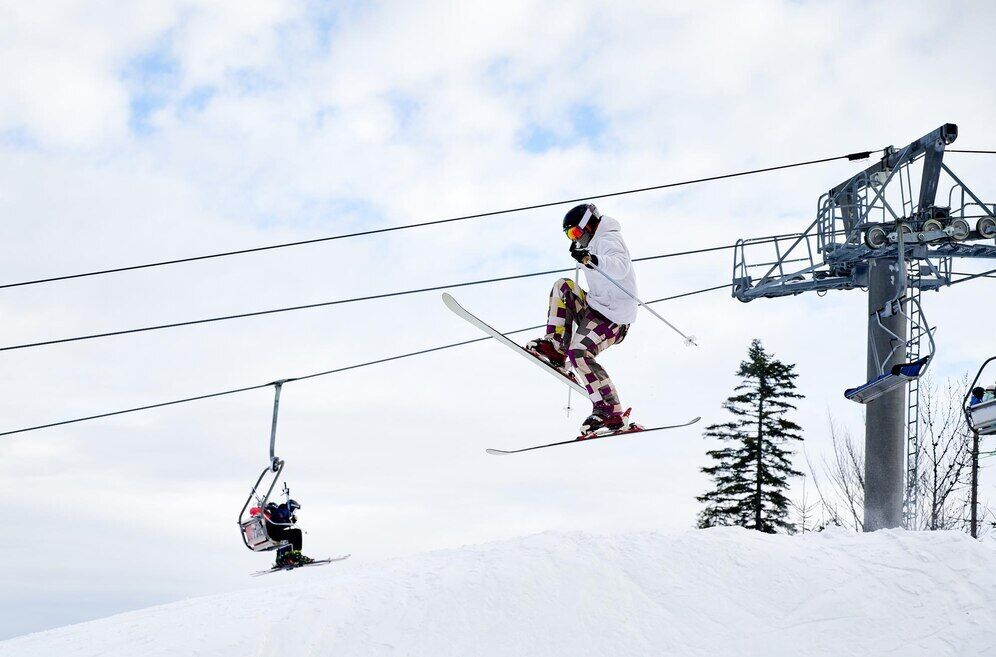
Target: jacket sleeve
x,y
613,258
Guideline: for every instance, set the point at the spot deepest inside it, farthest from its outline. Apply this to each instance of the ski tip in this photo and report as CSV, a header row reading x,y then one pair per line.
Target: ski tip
x,y
695,420
452,304
496,452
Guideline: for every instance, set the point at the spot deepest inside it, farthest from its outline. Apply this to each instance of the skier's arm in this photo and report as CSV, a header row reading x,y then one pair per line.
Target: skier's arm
x,y
613,259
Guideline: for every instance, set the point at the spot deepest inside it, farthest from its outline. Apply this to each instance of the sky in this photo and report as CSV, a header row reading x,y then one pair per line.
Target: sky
x,y
132,133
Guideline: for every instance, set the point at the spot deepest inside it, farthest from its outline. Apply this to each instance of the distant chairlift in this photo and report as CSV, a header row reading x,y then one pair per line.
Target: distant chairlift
x,y
253,526
981,416
902,373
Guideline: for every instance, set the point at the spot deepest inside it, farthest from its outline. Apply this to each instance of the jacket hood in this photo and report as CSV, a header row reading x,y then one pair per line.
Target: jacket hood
x,y
607,225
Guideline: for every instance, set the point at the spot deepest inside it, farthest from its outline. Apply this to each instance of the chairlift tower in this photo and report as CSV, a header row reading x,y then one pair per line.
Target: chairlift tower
x,y
875,231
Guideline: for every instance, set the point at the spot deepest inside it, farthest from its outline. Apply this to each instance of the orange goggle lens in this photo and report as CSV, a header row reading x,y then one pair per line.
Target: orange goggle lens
x,y
574,233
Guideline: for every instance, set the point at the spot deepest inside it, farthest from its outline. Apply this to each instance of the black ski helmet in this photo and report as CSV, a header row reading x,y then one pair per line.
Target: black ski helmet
x,y
585,216
293,505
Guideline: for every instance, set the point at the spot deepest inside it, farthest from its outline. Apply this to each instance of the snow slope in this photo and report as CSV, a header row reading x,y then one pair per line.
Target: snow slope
x,y
714,592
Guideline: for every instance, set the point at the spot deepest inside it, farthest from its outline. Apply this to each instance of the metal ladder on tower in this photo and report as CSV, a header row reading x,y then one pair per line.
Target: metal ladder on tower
x,y
916,333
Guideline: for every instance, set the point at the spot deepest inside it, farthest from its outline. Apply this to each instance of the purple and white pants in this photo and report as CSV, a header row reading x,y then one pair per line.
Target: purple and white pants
x,y
594,334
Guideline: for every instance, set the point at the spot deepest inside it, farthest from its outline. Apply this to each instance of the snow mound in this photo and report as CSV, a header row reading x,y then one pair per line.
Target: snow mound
x,y
713,592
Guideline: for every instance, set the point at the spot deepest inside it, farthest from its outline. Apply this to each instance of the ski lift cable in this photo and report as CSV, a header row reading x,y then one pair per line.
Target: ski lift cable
x,y
314,375
336,302
435,222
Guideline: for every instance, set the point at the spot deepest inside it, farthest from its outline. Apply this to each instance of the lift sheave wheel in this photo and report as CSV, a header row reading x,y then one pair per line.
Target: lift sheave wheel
x,y
876,237
961,228
986,227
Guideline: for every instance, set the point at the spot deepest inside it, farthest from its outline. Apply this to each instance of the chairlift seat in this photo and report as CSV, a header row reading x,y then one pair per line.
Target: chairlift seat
x,y
896,377
984,417
256,537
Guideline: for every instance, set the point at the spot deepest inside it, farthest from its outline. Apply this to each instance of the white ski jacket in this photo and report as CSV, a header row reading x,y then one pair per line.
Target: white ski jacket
x,y
608,247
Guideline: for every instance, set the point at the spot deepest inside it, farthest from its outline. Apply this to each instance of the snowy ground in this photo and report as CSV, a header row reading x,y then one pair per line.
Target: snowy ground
x,y
714,592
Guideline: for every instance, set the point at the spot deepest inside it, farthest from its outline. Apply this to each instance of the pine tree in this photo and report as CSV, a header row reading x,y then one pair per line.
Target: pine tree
x,y
751,474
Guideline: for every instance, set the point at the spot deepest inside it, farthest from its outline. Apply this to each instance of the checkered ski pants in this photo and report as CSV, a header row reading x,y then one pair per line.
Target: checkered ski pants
x,y
595,333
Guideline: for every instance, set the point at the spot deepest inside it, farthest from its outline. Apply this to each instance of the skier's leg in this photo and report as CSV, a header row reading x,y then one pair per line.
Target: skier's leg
x,y
283,533
279,533
289,553
595,334
567,304
296,537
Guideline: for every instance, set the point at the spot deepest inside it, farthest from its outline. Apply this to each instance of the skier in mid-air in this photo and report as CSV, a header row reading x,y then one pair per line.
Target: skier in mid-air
x,y
280,525
602,314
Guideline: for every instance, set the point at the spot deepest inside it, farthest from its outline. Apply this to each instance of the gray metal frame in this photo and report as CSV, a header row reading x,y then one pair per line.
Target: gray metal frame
x,y
860,238
832,253
276,466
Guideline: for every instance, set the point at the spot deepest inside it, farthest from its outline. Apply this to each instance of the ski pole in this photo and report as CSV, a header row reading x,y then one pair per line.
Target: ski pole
x,y
577,274
689,340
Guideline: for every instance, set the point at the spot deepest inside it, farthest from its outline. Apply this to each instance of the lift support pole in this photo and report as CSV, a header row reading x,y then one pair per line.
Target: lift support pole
x,y
885,417
853,208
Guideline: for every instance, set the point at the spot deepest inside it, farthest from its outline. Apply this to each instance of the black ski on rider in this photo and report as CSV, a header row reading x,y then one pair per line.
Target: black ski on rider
x,y
317,562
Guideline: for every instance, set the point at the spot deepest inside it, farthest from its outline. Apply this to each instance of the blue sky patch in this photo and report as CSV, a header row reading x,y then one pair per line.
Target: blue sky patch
x,y
404,108
197,99
151,79
18,138
583,124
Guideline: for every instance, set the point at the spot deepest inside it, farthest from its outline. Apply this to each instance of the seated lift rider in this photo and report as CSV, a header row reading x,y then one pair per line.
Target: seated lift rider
x,y
280,525
272,526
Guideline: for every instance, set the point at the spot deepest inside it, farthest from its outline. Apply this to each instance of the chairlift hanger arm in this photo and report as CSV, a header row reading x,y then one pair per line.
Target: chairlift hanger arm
x,y
274,461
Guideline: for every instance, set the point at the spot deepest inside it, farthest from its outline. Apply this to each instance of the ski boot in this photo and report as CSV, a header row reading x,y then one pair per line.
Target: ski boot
x,y
546,351
284,558
604,420
299,559
292,558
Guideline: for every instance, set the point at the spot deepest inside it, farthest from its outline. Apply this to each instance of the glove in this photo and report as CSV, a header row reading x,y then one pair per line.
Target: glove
x,y
583,256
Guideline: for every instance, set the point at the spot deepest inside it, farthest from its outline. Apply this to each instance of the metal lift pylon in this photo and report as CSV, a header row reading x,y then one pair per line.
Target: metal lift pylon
x,y
863,237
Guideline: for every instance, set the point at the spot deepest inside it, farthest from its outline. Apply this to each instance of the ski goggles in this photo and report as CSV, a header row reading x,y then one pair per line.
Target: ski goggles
x,y
575,232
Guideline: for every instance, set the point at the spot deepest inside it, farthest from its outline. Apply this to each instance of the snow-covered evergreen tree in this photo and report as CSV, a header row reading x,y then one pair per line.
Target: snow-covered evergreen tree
x,y
750,475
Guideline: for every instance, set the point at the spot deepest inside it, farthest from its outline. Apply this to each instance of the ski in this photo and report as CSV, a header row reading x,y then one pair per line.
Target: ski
x,y
459,310
583,439
317,562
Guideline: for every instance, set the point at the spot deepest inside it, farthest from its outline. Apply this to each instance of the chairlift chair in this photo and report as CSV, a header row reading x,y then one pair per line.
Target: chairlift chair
x,y
253,526
981,417
891,378
898,376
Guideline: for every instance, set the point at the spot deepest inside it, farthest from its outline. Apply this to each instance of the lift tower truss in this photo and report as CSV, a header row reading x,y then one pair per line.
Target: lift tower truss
x,y
878,231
